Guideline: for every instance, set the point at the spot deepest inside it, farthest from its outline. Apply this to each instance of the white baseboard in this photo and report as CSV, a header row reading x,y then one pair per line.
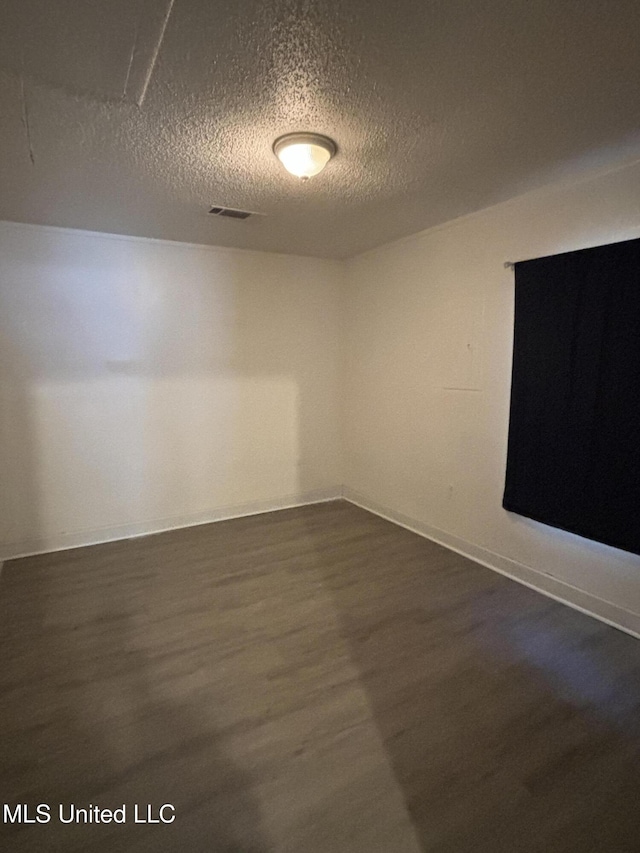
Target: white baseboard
x,y
605,611
78,539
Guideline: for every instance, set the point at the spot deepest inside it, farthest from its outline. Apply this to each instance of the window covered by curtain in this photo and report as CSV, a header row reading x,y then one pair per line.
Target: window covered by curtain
x,y
573,457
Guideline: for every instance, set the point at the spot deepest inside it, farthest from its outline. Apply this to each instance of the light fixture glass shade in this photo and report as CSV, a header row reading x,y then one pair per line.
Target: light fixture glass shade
x,y
304,154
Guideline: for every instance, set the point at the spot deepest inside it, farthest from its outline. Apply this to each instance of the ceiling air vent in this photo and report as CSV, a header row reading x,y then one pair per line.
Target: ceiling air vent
x,y
230,212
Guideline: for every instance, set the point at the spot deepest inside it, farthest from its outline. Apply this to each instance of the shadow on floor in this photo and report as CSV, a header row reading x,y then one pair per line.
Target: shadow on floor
x,y
101,706
131,672
511,721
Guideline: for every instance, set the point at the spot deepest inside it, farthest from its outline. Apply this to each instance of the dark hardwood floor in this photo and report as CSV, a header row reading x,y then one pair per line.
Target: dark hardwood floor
x,y
314,680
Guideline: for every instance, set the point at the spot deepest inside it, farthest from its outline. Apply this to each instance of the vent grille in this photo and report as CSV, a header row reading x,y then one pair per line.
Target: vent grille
x,y
230,212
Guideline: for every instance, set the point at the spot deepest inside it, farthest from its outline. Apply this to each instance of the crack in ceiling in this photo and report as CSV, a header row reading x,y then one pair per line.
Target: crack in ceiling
x,y
131,117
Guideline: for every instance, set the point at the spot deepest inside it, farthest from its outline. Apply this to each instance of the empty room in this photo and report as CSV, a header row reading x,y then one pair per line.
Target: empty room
x,y
319,426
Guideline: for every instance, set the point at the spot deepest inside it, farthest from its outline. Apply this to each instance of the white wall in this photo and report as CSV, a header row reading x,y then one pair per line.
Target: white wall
x,y
428,371
146,384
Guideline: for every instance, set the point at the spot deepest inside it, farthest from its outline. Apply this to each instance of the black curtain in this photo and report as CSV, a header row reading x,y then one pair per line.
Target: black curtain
x,y
573,458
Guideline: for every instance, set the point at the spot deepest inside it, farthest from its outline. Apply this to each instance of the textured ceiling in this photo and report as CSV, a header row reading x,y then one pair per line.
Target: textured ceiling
x,y
135,116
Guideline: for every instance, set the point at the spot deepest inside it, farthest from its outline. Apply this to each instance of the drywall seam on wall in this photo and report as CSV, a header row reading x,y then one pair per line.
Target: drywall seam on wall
x,y
416,324
80,539
578,599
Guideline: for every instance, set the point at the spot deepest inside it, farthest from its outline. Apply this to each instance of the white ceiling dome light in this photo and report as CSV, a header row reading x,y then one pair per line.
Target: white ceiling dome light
x,y
304,154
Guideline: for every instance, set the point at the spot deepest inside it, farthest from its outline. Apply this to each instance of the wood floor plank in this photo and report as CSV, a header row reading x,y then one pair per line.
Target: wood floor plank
x,y
314,680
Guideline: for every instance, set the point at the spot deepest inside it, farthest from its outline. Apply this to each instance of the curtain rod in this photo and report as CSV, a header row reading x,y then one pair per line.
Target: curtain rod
x,y
511,264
